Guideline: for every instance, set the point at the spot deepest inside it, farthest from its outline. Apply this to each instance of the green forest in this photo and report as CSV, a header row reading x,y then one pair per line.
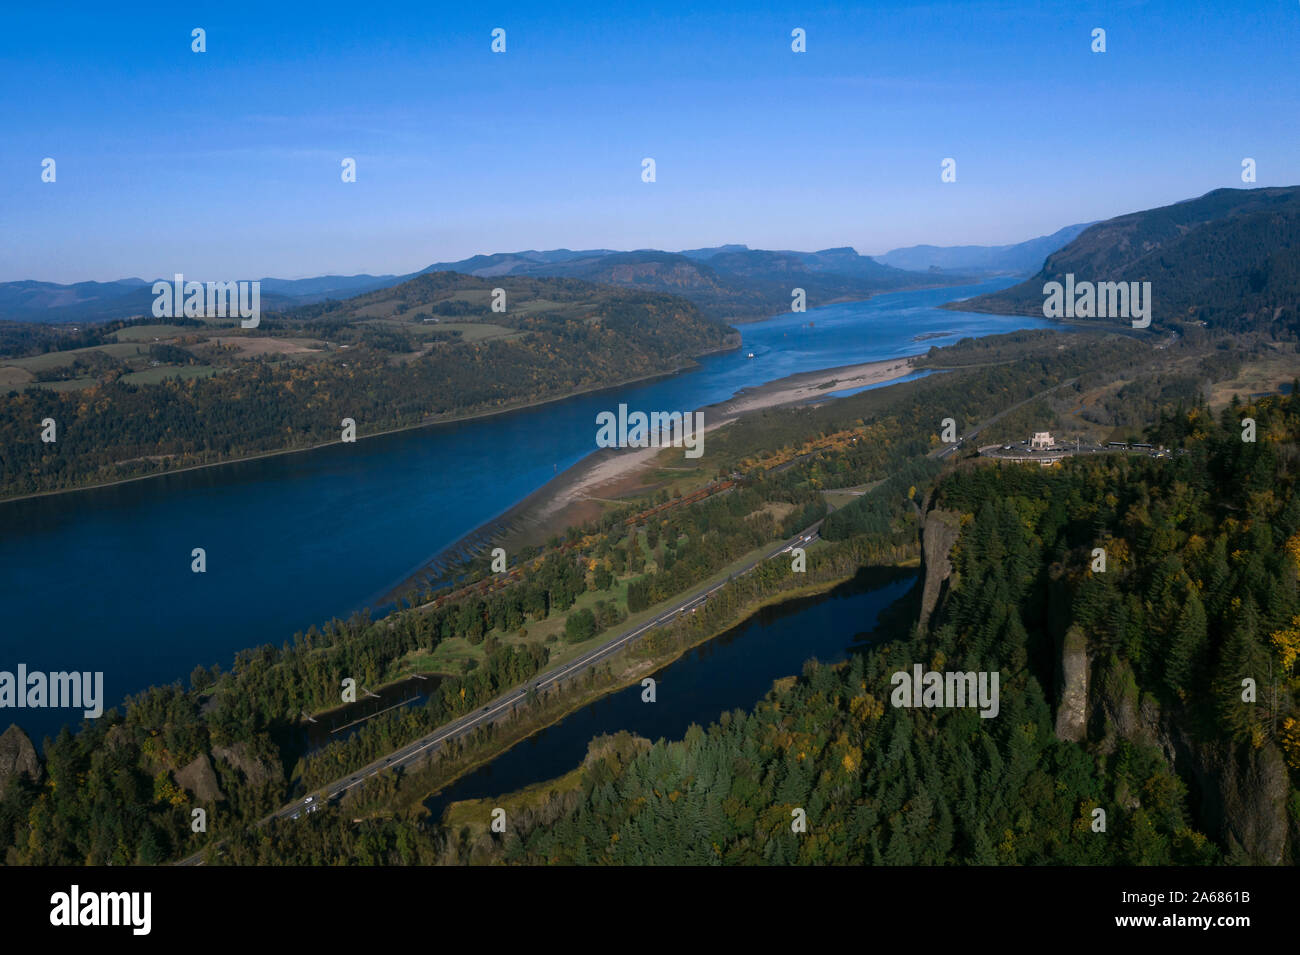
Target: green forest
x,y
1199,592
1229,259
290,383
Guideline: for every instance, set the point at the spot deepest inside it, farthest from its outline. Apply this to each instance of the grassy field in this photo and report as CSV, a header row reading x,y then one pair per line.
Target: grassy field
x,y
11,377
450,656
76,384
1264,374
476,814
152,376
148,333
843,496
476,331
59,359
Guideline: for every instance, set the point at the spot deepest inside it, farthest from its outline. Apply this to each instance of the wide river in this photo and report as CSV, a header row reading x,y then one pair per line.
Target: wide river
x,y
100,580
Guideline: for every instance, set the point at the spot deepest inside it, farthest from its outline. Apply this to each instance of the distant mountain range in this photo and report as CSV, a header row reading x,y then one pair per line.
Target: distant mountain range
x,y
728,282
1023,258
1230,259
52,303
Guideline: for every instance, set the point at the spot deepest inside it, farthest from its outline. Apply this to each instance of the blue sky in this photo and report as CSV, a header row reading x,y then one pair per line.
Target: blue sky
x,y
226,164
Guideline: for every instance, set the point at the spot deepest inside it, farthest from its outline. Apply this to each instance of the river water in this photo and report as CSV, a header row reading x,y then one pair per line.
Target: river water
x,y
100,580
732,670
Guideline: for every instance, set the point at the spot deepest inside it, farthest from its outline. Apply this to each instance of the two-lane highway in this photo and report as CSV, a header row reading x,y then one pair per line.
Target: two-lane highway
x,y
508,701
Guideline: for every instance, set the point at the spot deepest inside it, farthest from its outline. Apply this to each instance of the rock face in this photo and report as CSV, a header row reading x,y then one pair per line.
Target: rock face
x,y
1242,790
1243,795
942,529
1119,710
18,757
256,771
1072,711
200,780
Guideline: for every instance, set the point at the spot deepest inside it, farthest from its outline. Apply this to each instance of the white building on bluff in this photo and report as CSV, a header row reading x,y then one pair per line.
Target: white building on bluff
x,y
1041,441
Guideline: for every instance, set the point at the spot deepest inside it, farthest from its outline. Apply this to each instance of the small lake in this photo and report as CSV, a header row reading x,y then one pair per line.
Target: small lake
x,y
733,670
100,580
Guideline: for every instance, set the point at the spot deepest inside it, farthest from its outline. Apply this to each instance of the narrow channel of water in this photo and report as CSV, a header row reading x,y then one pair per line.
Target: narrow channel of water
x,y
735,669
295,539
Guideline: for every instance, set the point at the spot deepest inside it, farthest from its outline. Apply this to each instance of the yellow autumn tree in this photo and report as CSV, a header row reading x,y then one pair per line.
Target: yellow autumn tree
x,y
1287,644
1292,548
164,790
1289,737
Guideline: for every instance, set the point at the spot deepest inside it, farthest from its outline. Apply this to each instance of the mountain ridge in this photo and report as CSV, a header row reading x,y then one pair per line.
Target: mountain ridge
x,y
1228,259
731,281
1015,258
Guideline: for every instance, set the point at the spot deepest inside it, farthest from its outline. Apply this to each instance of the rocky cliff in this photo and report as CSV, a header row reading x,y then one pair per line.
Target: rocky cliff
x,y
18,757
942,528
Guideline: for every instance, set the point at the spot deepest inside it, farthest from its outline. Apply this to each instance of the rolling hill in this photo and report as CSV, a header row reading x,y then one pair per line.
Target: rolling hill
x,y
730,283
152,396
55,304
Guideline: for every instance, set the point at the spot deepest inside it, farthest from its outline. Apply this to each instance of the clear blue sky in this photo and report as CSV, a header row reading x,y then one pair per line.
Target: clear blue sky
x,y
226,164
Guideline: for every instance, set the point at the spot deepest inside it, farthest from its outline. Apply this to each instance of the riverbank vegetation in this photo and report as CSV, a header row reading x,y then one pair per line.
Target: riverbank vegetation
x,y
878,784
143,398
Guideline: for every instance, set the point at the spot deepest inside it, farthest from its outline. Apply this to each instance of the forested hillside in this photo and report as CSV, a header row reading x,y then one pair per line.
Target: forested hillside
x,y
1230,259
1199,595
426,350
730,283
1121,686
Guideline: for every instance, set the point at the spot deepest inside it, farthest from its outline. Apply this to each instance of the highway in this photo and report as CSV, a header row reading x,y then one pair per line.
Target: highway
x,y
508,701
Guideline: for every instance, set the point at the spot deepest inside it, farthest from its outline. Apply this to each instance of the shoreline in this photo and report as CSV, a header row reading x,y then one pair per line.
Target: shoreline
x,y
630,676
475,415
561,501
454,419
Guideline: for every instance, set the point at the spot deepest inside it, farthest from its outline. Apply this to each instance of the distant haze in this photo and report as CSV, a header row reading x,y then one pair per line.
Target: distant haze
x,y
1023,258
730,282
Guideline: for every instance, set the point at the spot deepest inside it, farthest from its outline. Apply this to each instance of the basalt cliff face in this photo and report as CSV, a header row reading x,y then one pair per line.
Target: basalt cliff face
x,y
18,757
1238,790
940,533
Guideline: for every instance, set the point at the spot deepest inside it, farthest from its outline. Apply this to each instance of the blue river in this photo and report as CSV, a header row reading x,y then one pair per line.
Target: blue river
x,y
100,580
